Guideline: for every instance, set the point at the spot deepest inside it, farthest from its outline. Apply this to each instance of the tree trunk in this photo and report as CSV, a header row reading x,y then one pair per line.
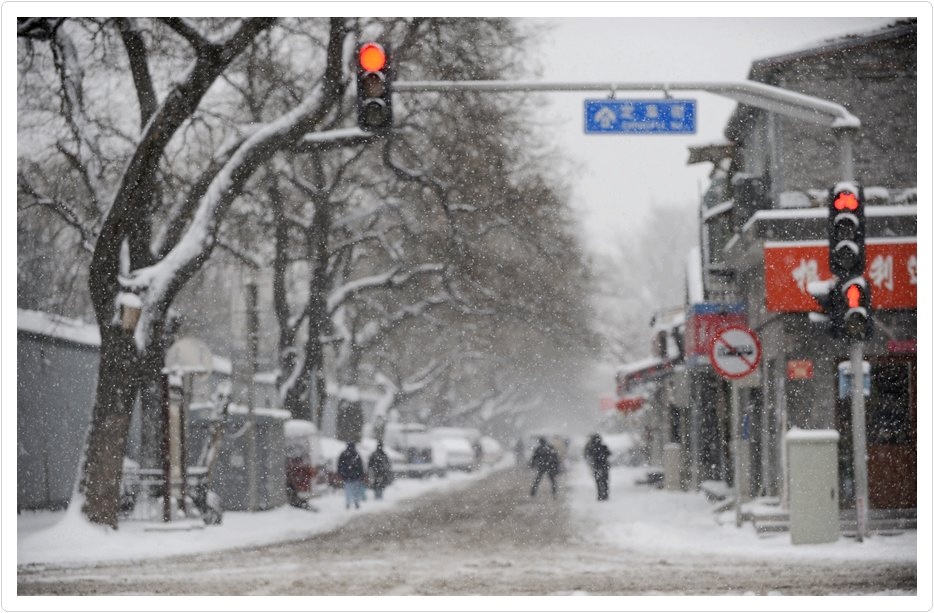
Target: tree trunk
x,y
117,385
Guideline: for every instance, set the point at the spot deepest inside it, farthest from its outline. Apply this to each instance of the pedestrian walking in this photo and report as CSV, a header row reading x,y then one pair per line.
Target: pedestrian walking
x,y
545,459
598,457
350,469
380,470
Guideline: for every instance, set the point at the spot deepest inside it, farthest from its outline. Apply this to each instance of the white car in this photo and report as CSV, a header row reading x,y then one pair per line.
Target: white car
x,y
455,453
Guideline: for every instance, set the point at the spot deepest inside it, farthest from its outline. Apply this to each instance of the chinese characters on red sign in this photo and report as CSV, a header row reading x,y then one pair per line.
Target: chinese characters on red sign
x,y
891,269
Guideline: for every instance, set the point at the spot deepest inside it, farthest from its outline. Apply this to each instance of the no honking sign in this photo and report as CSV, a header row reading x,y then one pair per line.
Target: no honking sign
x,y
735,352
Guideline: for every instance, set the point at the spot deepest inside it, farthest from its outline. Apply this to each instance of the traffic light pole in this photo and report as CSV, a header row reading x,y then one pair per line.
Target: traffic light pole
x,y
760,95
858,409
857,399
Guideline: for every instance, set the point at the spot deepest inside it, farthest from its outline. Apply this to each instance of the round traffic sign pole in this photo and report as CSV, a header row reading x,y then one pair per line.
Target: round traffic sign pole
x,y
735,352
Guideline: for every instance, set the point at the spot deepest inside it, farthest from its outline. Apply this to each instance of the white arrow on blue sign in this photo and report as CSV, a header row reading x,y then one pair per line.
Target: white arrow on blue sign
x,y
663,116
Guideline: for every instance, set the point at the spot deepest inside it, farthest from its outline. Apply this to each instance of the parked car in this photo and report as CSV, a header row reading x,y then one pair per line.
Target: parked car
x,y
414,442
454,453
471,435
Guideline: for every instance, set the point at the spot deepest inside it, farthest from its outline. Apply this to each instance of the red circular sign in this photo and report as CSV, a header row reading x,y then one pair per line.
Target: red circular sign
x,y
735,352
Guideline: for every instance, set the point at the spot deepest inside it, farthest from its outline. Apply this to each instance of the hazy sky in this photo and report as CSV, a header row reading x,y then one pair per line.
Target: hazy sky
x,y
620,176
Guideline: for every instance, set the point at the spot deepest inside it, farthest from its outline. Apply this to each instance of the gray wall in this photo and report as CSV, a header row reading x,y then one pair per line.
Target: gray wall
x,y
55,388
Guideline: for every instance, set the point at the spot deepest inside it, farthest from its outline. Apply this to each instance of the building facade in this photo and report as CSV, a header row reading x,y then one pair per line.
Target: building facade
x,y
764,239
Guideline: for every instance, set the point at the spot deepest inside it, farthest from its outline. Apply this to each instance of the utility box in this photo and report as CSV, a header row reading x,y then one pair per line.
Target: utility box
x,y
812,485
672,466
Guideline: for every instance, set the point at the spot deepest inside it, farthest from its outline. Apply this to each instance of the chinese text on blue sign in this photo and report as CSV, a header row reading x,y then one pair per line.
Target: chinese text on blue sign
x,y
639,116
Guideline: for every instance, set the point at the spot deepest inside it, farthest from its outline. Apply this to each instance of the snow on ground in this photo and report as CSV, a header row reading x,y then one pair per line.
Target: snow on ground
x,y
651,520
64,536
636,517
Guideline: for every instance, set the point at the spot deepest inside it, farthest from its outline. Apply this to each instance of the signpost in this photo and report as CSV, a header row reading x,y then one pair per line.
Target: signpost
x,y
659,116
735,353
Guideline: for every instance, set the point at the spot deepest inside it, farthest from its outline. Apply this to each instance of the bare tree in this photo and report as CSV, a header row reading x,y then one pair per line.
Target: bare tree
x,y
131,354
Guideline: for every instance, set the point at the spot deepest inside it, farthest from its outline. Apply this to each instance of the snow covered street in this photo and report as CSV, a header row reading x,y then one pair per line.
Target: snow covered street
x,y
469,535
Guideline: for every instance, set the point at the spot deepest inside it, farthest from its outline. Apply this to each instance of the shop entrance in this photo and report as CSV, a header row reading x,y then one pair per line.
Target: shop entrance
x,y
891,435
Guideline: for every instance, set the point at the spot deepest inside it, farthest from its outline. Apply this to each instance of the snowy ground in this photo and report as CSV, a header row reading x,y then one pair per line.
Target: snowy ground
x,y
642,541
636,517
64,537
656,521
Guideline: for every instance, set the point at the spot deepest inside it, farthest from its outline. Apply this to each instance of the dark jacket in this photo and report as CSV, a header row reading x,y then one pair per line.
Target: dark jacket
x,y
380,469
597,454
545,458
350,465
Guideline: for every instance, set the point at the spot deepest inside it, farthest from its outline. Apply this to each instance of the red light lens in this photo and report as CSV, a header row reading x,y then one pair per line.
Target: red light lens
x,y
853,294
845,200
372,57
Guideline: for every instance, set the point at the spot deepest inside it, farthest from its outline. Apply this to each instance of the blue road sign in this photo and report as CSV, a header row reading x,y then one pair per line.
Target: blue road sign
x,y
662,116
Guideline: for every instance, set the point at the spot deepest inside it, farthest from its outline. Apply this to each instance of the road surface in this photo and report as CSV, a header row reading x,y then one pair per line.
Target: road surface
x,y
487,538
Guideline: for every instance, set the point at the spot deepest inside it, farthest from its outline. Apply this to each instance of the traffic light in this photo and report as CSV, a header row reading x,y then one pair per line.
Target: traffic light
x,y
374,88
850,303
847,232
828,296
856,309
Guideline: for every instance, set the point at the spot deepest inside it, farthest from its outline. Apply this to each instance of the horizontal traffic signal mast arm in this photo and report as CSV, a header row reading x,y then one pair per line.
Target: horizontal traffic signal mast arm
x,y
767,97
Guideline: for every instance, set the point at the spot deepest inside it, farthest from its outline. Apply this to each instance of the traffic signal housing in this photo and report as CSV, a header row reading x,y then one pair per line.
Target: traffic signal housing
x,y
849,305
847,231
855,311
374,87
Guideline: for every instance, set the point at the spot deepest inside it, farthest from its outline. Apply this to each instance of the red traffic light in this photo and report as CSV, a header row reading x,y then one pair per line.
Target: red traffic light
x,y
372,57
853,296
846,201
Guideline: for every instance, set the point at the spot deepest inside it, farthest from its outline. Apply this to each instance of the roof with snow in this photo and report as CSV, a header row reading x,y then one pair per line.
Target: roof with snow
x,y
81,332
760,68
58,327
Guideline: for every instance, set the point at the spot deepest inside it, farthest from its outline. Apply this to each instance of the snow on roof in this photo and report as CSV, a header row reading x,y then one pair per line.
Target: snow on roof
x,y
833,45
629,367
56,326
896,210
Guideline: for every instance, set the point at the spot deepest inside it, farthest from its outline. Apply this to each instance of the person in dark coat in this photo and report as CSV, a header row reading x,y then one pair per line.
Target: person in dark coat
x,y
545,459
598,457
380,470
350,469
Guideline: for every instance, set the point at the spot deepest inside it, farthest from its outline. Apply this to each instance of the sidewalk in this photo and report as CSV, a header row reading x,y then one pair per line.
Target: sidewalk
x,y
658,521
65,537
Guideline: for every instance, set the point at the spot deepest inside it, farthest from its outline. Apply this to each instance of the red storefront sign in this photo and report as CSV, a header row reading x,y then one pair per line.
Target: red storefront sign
x,y
891,270
799,369
704,321
630,404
